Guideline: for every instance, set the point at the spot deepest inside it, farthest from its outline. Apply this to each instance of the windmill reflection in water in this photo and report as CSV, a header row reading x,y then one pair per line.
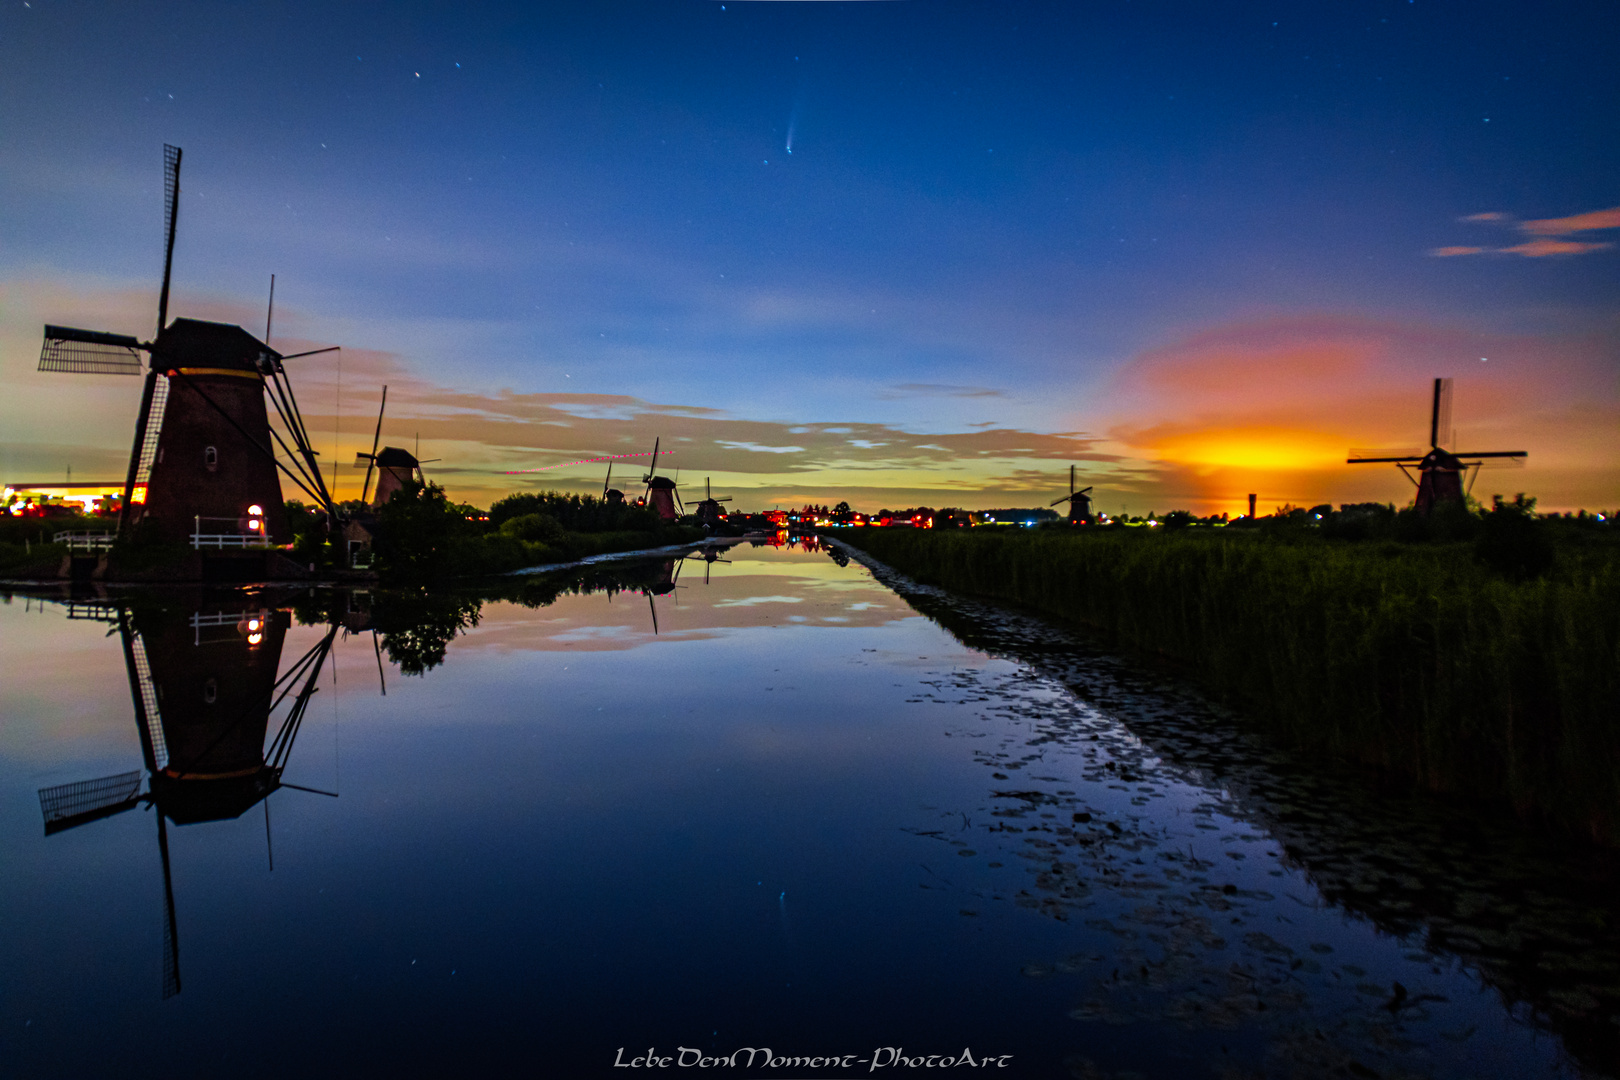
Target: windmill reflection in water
x,y
205,691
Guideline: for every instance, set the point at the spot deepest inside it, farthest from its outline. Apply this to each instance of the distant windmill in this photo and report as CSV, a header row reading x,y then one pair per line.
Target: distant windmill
x,y
611,495
395,467
1079,502
204,741
709,514
662,497
204,450
1439,470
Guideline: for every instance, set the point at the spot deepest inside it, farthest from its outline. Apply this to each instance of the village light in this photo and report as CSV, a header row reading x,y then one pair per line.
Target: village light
x,y
255,637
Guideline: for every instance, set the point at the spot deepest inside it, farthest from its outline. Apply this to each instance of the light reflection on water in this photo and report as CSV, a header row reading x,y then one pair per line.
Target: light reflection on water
x,y
792,813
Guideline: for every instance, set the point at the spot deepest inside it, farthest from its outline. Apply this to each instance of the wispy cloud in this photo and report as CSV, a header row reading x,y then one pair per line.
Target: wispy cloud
x,y
1547,231
942,390
1595,219
1536,249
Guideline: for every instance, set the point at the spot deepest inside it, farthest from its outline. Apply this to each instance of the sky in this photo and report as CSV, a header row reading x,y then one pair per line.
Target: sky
x,y
894,252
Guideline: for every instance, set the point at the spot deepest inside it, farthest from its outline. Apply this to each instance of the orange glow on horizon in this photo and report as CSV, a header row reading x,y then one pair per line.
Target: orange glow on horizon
x,y
1259,448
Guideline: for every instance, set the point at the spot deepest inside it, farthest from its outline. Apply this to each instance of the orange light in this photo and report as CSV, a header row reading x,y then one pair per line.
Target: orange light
x,y
139,494
255,510
255,638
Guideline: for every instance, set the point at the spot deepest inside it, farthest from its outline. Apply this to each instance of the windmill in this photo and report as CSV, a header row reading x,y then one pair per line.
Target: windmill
x,y
611,495
710,554
202,715
395,467
1079,502
204,449
667,581
1439,470
662,496
709,514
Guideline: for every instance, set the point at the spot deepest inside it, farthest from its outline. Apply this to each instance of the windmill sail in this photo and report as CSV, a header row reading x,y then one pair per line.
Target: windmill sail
x,y
67,805
89,352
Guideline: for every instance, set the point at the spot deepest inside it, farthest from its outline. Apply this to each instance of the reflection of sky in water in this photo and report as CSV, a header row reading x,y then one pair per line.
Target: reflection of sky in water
x,y
574,836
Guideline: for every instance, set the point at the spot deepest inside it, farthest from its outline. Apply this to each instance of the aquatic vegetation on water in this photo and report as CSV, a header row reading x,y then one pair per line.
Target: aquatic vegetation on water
x,y
1186,898
1418,659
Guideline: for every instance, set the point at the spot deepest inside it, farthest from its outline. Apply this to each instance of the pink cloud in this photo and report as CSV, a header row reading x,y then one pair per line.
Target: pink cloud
x,y
1536,249
1595,219
1491,215
1448,252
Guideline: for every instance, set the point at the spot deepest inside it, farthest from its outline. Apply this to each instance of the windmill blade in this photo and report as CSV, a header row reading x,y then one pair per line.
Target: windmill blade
x,y
654,609
1064,499
1083,490
171,218
1440,417
1071,479
68,805
171,931
608,481
1393,453
371,459
652,470
1496,454
89,352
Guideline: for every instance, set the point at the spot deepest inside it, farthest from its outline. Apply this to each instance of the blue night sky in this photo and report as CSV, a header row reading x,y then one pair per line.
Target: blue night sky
x,y
895,252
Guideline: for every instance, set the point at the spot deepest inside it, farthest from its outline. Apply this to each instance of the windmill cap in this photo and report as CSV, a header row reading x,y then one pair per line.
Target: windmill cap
x,y
392,457
194,343
663,483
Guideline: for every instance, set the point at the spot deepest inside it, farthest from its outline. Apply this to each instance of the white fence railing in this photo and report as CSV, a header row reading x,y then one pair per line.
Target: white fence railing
x,y
239,539
86,541
230,540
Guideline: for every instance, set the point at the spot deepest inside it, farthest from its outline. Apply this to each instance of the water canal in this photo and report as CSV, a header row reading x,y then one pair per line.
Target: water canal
x,y
782,801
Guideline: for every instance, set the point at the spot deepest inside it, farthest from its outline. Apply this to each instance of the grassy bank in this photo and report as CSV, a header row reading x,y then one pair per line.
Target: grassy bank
x,y
1418,658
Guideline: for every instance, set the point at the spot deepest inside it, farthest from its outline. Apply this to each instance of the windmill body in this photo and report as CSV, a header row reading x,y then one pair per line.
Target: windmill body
x,y
395,469
205,447
661,498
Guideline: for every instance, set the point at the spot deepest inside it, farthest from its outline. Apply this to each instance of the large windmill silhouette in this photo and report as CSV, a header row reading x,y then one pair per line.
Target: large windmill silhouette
x,y
205,691
204,460
1440,470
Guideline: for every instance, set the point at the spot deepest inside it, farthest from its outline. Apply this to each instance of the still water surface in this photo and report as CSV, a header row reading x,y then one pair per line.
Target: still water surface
x,y
774,806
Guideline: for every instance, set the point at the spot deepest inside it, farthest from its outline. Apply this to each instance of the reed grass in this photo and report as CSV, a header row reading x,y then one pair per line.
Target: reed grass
x,y
1415,658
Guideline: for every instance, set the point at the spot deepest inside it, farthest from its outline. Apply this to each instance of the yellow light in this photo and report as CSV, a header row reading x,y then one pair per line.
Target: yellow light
x,y
255,510
255,638
139,494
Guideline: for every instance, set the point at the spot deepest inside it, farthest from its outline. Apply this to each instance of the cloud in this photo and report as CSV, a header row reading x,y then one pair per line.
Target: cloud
x,y
941,390
1546,230
1595,219
1535,249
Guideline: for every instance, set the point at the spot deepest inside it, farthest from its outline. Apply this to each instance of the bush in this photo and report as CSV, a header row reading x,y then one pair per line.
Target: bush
x,y
1513,541
575,513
